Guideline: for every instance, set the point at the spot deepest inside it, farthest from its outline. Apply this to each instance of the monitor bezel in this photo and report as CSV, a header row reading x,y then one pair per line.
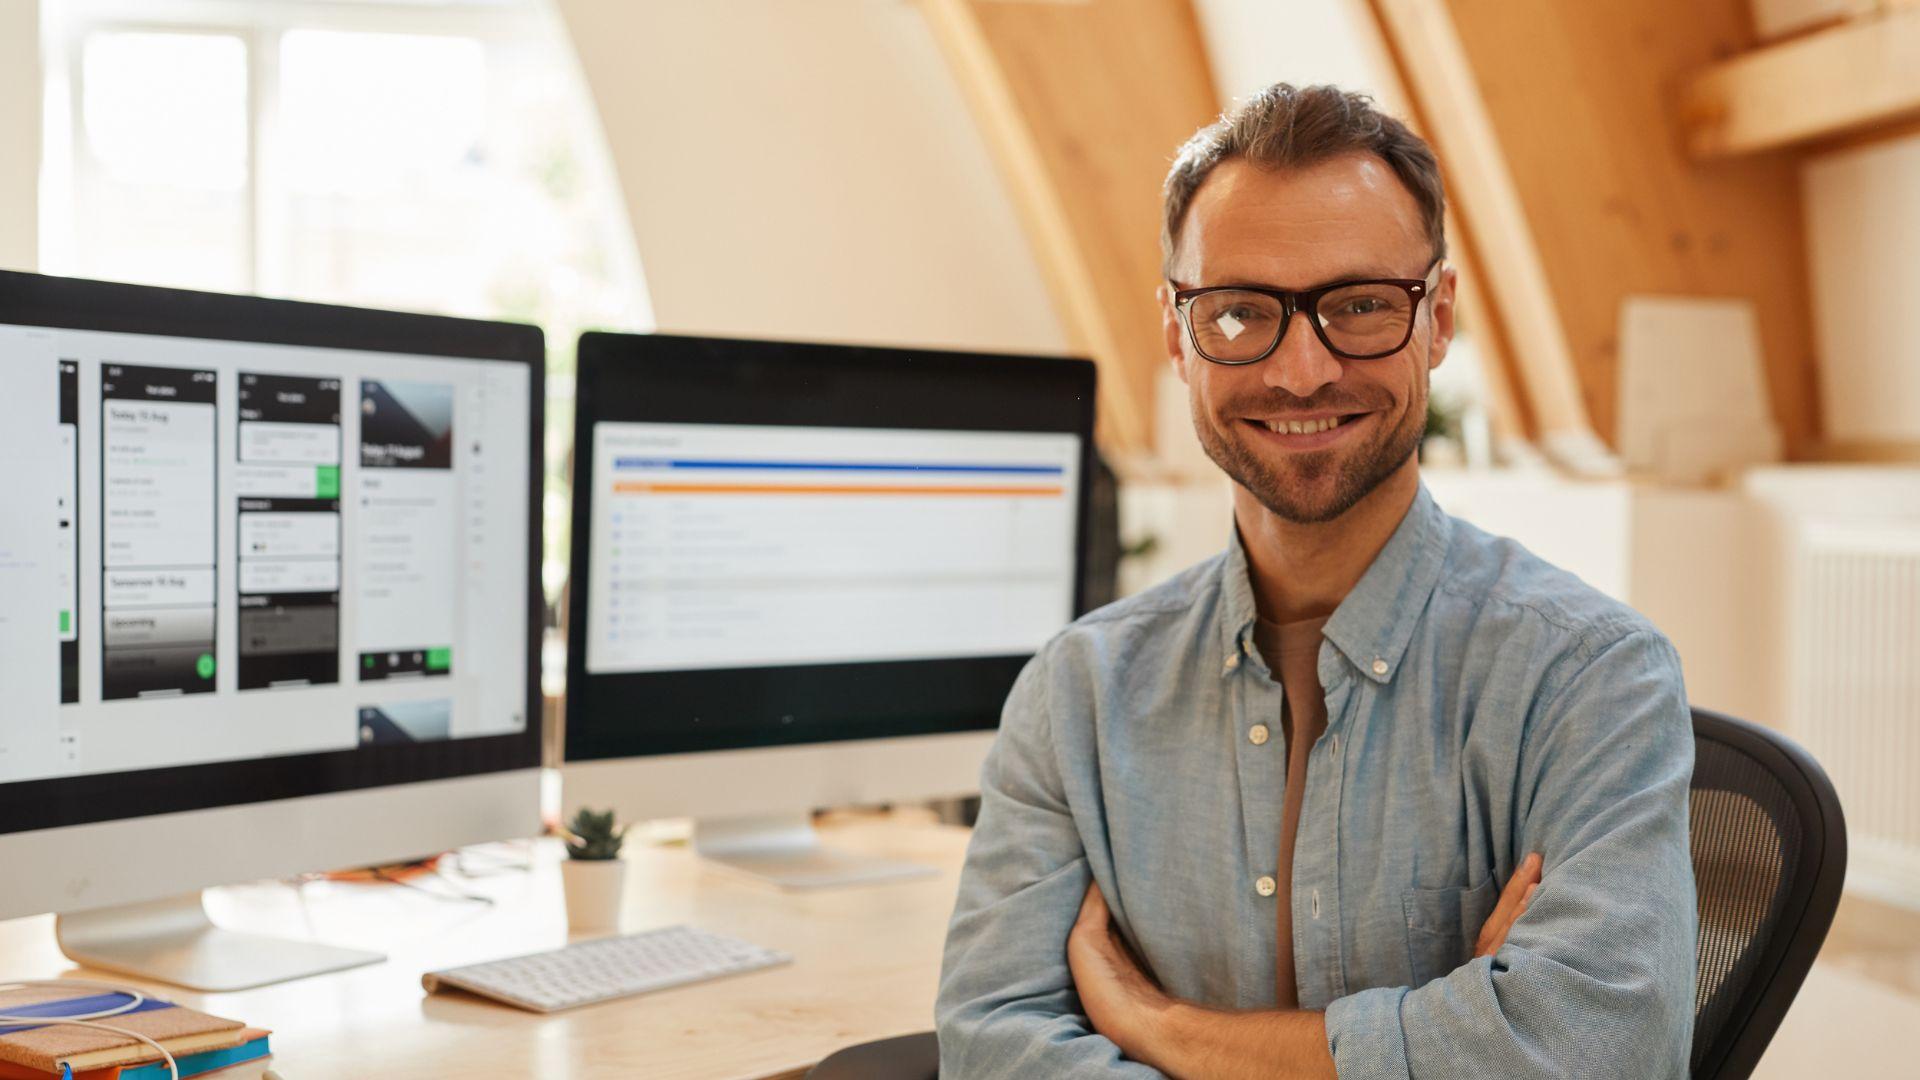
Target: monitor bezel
x,y
600,352
79,304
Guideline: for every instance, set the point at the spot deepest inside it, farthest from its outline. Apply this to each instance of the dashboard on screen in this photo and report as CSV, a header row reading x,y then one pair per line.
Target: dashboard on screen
x,y
726,546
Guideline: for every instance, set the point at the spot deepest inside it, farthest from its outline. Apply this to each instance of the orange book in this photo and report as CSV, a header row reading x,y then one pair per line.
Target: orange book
x,y
10,1071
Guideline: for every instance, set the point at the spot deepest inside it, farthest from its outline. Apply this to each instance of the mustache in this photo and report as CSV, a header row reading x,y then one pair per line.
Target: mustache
x,y
1265,403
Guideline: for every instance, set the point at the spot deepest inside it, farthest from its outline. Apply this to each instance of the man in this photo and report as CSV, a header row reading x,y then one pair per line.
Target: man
x,y
1257,821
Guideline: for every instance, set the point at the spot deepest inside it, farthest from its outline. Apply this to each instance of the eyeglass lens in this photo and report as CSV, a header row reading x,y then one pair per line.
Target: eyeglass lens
x,y
1361,320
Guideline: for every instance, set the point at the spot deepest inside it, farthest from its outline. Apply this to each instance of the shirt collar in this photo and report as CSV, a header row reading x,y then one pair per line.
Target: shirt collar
x,y
1373,625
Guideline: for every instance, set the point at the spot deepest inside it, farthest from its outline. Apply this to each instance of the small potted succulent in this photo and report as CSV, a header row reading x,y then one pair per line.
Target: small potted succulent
x,y
594,874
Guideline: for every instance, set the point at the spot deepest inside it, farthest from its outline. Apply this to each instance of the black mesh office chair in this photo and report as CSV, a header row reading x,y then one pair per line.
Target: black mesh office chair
x,y
1769,855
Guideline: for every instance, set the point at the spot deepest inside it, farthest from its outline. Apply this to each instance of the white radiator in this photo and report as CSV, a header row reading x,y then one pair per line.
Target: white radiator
x,y
1852,688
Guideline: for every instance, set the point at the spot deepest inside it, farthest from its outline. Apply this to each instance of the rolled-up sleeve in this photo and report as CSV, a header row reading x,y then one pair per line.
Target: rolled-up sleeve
x,y
1007,1005
1597,977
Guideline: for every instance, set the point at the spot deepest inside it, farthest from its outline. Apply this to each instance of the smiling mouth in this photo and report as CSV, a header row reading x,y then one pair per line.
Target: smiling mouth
x,y
1296,427
1305,427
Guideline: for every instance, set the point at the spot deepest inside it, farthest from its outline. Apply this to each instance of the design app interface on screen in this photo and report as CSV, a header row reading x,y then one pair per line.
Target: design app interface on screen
x,y
222,550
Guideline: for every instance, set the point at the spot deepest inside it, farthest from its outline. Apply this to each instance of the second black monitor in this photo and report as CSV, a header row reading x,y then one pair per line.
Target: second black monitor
x,y
779,543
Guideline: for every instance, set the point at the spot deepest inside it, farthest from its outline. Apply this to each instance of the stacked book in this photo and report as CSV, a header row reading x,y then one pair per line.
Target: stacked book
x,y
199,1043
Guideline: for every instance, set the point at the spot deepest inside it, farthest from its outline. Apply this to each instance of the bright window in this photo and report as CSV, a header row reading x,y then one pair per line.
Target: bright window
x,y
163,131
422,155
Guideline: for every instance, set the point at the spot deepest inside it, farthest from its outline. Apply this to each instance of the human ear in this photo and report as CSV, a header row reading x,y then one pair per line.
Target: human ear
x,y
1440,306
1170,330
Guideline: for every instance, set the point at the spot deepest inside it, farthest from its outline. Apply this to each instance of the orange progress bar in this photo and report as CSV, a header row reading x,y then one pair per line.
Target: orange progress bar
x,y
640,487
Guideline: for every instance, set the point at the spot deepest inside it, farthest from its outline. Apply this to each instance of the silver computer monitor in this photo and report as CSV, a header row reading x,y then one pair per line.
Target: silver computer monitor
x,y
269,604
807,575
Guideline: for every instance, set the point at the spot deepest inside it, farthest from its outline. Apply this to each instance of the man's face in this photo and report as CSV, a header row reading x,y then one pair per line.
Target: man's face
x,y
1346,218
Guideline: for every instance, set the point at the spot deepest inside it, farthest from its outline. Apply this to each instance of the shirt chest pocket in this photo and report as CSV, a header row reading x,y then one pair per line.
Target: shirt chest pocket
x,y
1442,925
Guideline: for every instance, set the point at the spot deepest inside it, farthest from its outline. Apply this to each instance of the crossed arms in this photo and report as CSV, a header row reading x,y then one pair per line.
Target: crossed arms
x,y
1595,978
1183,1039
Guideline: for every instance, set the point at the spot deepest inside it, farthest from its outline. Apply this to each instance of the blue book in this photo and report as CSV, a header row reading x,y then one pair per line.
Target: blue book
x,y
203,1062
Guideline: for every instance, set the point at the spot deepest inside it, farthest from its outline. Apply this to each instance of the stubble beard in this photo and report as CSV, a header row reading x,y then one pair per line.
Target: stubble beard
x,y
1288,492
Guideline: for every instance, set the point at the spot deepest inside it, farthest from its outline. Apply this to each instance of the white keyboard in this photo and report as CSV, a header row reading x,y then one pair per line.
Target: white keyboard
x,y
605,968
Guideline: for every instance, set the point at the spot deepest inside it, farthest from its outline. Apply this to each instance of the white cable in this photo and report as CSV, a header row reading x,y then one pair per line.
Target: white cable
x,y
135,999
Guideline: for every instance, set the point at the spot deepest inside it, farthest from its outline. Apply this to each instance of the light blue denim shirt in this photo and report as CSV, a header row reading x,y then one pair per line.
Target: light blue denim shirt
x,y
1481,704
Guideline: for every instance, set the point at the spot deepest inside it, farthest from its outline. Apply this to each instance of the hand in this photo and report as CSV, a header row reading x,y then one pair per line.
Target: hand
x,y
1513,903
1119,998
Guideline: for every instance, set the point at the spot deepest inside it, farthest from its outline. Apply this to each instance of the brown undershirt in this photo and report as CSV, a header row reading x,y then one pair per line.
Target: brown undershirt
x,y
1292,652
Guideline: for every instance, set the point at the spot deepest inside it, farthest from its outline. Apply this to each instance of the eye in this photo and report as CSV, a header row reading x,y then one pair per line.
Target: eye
x,y
1361,305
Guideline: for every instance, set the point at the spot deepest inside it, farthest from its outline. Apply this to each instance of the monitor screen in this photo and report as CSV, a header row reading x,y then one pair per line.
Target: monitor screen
x,y
780,543
258,532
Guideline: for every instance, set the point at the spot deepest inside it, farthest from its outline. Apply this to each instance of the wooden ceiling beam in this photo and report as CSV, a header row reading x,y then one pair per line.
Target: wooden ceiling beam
x,y
1564,157
1855,75
1082,106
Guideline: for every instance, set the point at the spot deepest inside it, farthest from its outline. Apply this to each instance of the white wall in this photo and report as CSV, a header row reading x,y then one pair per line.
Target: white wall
x,y
19,133
808,170
1704,573
1255,43
1863,235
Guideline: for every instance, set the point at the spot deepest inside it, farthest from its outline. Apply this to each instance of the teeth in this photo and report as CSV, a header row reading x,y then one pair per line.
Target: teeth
x,y
1296,427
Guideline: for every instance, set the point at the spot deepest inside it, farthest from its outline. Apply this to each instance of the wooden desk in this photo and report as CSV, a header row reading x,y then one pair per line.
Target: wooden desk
x,y
866,966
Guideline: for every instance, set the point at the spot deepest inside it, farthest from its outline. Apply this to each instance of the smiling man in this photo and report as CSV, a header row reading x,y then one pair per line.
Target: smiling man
x,y
1371,793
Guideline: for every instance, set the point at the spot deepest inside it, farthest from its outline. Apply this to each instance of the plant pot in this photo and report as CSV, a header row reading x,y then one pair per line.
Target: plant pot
x,y
596,889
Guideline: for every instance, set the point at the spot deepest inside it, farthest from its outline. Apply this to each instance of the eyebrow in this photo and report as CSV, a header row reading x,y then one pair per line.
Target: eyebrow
x,y
1362,273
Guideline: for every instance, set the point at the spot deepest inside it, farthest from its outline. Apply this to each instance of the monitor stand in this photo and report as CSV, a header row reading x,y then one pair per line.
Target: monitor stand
x,y
173,941
785,850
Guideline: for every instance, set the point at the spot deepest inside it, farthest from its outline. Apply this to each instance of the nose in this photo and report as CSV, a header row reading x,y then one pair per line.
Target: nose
x,y
1300,364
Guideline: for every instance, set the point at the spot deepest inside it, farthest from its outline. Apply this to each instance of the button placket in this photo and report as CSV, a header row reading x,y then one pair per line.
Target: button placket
x,y
1256,701
1354,701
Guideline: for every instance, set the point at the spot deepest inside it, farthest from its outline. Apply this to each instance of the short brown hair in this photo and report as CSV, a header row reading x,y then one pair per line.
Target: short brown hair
x,y
1285,126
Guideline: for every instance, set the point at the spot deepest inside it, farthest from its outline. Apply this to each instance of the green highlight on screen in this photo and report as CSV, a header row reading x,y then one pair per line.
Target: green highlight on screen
x,y
204,666
439,659
326,481
66,622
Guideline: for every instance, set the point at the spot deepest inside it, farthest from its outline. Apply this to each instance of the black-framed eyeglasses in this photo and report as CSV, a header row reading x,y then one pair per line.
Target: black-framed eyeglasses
x,y
1356,320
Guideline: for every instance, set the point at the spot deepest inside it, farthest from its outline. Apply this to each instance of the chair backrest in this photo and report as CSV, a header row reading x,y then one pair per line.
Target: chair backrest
x,y
1769,856
908,1057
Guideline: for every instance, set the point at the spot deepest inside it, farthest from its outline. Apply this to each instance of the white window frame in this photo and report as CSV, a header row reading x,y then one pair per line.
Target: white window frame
x,y
260,24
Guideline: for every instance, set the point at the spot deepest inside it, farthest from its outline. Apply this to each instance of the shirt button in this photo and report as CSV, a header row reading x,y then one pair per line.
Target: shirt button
x,y
1264,886
1379,667
1257,734
1233,661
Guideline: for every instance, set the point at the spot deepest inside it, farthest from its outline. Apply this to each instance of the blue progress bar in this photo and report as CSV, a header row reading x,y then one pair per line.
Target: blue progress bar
x,y
832,466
